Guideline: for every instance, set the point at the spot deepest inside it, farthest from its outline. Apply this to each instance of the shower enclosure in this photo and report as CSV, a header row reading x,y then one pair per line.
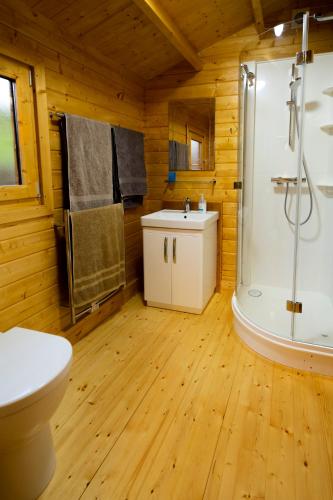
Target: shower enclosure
x,y
283,303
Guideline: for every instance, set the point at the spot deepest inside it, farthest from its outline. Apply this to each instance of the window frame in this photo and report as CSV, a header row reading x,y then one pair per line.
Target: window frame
x,y
14,124
33,133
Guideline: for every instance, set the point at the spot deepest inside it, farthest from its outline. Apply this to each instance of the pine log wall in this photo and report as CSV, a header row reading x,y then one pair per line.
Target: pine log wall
x,y
85,85
219,79
29,260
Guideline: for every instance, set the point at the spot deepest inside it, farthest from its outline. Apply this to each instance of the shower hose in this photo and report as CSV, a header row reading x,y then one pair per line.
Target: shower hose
x,y
307,180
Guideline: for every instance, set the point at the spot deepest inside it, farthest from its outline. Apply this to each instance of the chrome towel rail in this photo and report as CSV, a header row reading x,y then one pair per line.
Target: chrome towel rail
x,y
77,313
55,115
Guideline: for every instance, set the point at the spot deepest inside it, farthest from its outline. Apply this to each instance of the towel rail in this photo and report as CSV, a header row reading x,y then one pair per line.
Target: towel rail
x,y
69,264
95,305
55,115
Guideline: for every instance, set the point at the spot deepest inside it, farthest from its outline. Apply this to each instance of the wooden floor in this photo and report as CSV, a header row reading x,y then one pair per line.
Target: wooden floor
x,y
170,405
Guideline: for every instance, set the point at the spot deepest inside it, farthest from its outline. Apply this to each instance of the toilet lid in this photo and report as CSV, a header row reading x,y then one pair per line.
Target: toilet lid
x,y
29,361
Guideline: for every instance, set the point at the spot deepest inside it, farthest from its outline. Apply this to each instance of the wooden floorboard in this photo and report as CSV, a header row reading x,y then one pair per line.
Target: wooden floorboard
x,y
168,405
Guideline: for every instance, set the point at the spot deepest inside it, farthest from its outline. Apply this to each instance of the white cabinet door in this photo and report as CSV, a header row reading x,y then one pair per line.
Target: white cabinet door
x,y
187,275
157,266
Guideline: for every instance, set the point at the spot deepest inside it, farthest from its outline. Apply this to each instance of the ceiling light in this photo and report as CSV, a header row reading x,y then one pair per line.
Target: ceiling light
x,y
278,29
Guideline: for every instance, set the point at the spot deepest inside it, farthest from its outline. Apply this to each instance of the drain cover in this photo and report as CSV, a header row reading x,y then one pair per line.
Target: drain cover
x,y
254,292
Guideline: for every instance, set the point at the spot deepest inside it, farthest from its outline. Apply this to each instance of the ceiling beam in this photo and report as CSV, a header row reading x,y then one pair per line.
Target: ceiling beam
x,y
258,15
161,19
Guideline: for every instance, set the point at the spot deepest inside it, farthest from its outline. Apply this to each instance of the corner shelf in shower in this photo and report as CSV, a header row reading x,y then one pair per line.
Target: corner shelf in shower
x,y
326,188
328,129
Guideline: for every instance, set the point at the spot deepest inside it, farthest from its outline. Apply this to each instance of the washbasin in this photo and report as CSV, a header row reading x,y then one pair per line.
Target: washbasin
x,y
178,219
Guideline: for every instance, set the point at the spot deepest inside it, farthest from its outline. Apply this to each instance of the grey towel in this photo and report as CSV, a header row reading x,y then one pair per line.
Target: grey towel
x,y
130,162
178,156
98,251
89,160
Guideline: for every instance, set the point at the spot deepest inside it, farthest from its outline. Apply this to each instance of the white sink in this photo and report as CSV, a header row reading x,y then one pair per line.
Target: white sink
x,y
178,219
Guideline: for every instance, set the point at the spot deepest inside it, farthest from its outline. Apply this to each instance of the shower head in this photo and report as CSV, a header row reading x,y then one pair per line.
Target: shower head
x,y
295,80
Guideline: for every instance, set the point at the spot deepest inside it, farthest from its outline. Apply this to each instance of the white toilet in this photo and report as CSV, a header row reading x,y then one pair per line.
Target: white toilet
x,y
34,369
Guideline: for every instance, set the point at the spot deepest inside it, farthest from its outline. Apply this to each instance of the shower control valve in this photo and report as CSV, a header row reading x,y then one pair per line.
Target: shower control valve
x,y
285,180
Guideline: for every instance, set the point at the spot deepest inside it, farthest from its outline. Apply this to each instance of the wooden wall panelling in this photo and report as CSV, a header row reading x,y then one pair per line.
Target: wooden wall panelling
x,y
219,79
226,115
133,244
77,83
87,84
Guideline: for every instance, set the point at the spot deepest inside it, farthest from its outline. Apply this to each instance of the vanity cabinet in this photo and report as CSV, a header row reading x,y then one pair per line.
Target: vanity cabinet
x,y
179,267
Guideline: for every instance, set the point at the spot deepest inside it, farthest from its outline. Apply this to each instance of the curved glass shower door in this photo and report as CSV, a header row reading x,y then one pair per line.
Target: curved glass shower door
x,y
271,120
285,238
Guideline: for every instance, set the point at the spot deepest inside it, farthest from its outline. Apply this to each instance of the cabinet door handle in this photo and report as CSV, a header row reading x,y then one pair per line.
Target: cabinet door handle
x,y
174,249
166,249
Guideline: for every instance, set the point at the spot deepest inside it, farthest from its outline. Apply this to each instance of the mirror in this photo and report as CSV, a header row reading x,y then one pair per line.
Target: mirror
x,y
191,134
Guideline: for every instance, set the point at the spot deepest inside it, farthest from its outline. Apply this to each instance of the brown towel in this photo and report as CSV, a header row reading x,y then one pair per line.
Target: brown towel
x,y
89,163
98,253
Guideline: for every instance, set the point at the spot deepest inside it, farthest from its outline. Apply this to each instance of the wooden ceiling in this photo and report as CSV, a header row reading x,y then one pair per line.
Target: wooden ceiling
x,y
275,11
150,36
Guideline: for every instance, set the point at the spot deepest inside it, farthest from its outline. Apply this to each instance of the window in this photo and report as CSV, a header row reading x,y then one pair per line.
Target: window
x,y
10,173
195,153
197,150
19,160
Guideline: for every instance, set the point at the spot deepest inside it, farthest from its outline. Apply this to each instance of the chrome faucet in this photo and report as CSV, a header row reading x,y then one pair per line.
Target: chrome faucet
x,y
187,204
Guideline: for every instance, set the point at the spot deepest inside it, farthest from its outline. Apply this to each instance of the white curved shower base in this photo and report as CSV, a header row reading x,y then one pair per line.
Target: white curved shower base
x,y
300,355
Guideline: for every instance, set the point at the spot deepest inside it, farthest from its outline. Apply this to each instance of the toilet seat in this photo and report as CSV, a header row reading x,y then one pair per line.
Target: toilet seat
x,y
31,364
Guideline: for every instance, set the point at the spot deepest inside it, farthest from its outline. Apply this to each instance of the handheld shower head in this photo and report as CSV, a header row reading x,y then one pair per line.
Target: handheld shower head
x,y
294,83
295,80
